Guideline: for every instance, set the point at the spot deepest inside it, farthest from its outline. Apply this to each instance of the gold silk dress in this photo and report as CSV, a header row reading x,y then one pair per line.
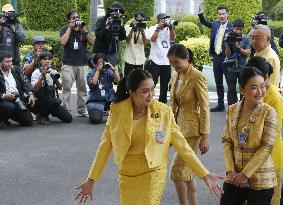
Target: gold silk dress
x,y
139,184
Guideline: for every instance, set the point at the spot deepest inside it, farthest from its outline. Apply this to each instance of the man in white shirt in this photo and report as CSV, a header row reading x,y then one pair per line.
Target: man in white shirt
x,y
12,89
136,39
160,35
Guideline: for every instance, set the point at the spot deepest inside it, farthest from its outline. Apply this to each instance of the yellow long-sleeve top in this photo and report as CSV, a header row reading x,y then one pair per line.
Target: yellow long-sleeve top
x,y
274,99
118,132
254,160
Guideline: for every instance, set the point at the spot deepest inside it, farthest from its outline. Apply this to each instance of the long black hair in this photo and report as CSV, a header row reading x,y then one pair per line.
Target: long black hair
x,y
180,51
131,82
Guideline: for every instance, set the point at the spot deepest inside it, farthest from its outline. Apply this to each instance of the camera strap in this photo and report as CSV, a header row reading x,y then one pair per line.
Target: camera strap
x,y
136,37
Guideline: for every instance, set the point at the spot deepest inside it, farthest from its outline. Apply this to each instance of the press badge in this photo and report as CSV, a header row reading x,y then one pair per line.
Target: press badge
x,y
76,45
159,136
102,92
164,44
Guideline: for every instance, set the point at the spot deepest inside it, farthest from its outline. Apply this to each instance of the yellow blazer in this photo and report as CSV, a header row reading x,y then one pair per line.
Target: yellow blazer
x,y
254,160
190,104
117,136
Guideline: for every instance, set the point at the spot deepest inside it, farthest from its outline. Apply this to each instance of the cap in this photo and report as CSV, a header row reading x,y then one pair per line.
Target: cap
x,y
239,23
5,54
162,16
38,39
116,5
7,8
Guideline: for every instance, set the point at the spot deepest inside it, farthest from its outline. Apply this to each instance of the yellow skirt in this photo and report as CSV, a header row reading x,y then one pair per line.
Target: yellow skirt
x,y
140,185
180,171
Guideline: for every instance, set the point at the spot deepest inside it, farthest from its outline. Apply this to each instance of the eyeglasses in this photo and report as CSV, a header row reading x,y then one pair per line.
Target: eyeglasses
x,y
257,38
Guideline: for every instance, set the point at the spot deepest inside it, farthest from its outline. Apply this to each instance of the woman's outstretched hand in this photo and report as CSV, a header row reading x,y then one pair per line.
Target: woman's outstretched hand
x,y
85,191
211,182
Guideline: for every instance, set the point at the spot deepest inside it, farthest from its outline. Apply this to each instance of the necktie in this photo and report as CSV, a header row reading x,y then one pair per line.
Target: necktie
x,y
219,39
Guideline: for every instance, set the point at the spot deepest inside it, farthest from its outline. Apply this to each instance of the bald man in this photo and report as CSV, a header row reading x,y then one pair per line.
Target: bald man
x,y
260,39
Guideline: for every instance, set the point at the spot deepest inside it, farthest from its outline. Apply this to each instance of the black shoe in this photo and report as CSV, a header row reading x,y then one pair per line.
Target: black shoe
x,y
218,108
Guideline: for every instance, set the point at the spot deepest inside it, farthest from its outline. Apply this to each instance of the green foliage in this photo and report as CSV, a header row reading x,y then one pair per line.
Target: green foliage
x,y
277,27
200,47
48,15
194,19
277,11
131,7
267,5
3,2
83,9
280,54
186,30
243,9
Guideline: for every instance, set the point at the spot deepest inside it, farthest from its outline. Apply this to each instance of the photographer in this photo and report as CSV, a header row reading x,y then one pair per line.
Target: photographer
x,y
12,89
237,51
161,36
32,58
75,37
136,39
45,81
100,81
109,30
11,34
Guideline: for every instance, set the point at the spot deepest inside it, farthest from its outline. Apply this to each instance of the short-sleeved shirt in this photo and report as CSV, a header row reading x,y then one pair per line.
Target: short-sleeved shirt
x,y
159,48
134,53
72,56
241,60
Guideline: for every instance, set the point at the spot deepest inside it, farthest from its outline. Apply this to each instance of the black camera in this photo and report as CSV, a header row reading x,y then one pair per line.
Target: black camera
x,y
20,105
232,38
260,18
9,18
170,22
116,21
79,23
53,73
139,23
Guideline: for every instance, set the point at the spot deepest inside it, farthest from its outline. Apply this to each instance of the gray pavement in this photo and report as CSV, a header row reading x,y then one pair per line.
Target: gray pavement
x,y
41,165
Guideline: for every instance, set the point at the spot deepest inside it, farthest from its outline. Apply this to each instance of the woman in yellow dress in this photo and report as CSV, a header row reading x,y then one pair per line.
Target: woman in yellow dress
x,y
190,105
274,99
140,130
248,138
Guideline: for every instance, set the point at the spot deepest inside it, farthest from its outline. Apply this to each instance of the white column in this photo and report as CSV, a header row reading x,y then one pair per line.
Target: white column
x,y
162,6
192,6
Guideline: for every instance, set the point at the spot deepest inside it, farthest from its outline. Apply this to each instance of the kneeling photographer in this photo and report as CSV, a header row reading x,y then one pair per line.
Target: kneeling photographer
x,y
100,81
13,103
11,34
45,81
109,30
136,39
237,51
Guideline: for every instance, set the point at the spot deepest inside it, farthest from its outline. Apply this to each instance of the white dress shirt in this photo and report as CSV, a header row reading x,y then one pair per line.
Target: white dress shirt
x,y
10,82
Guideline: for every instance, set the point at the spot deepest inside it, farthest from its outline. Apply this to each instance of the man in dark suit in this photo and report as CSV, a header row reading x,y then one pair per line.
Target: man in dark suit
x,y
12,89
217,49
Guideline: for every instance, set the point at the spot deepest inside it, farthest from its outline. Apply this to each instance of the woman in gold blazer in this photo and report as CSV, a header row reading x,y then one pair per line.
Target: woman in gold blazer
x,y
140,130
274,99
248,138
190,105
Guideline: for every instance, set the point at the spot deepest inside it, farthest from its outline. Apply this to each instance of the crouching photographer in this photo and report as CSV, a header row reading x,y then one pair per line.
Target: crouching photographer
x,y
100,81
109,30
237,51
13,103
45,81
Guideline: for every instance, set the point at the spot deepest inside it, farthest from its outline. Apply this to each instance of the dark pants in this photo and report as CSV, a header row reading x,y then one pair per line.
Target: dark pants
x,y
237,196
9,110
96,115
52,106
232,79
164,71
129,67
219,69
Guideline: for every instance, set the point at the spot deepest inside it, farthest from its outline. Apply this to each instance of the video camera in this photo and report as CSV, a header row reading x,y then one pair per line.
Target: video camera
x,y
139,23
260,18
9,18
116,21
232,38
170,22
